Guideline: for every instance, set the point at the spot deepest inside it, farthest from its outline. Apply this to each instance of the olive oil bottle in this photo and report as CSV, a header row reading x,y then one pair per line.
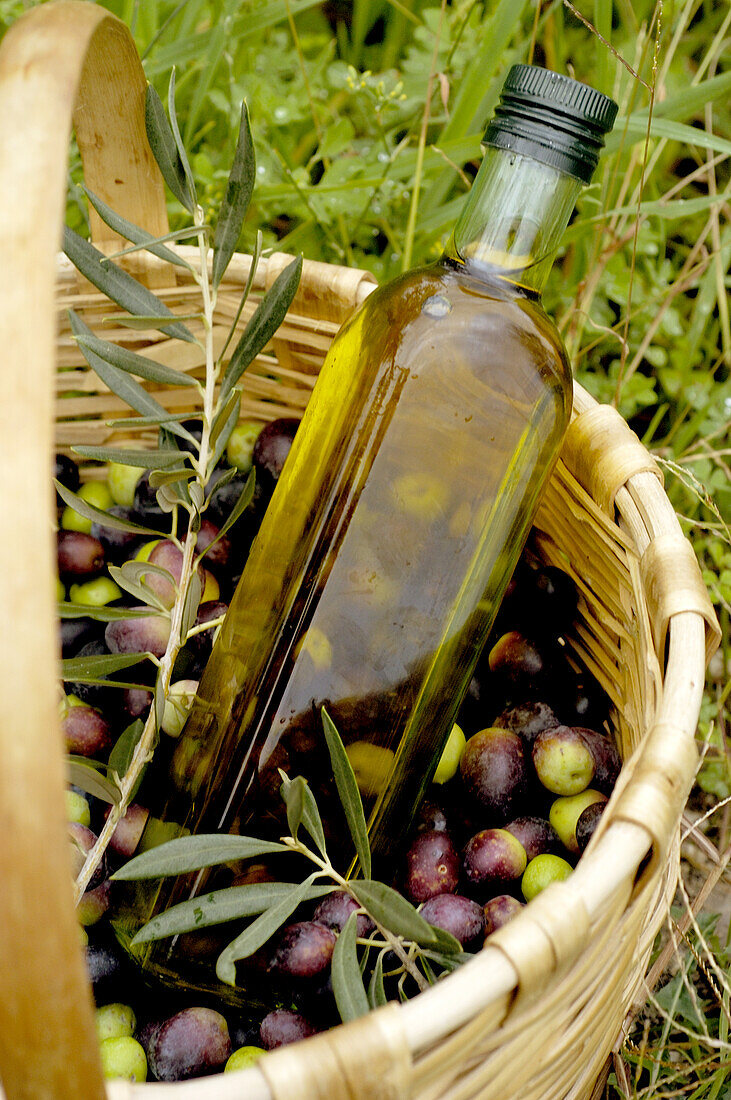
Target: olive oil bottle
x,y
400,515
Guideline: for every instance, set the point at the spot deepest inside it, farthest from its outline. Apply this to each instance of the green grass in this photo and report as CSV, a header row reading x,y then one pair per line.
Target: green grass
x,y
640,290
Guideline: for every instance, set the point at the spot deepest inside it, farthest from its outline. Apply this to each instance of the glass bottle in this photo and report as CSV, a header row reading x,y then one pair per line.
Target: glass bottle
x,y
403,507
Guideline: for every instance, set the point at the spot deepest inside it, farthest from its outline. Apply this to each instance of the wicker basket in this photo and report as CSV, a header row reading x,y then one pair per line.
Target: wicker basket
x,y
537,1012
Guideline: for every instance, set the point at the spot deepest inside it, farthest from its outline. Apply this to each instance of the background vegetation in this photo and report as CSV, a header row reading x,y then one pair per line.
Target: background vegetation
x,y
367,118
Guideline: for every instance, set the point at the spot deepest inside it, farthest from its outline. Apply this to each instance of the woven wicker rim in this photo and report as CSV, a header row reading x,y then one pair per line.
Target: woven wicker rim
x,y
72,49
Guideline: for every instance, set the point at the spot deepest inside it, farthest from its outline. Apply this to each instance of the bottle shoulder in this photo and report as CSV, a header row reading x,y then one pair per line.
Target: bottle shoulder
x,y
442,311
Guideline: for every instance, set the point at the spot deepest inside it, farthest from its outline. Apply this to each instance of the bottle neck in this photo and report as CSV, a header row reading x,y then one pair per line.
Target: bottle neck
x,y
514,218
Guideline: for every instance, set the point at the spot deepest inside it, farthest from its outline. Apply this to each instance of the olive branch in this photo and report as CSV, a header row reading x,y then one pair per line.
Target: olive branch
x,y
180,466
421,951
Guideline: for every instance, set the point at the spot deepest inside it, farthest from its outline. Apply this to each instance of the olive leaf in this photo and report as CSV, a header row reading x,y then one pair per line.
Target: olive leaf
x,y
190,607
302,809
293,793
393,911
133,363
121,383
347,981
181,234
447,944
255,257
245,498
121,755
88,670
119,285
158,478
450,961
236,200
144,459
144,321
192,853
101,614
223,425
139,237
265,321
97,515
172,114
348,793
165,150
376,991
128,578
87,775
159,421
260,930
220,906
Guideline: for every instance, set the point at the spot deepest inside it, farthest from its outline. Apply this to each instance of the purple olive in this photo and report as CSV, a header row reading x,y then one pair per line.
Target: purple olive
x,y
127,834
192,1043
303,950
108,968
517,662
587,823
527,719
432,867
217,554
78,632
94,695
607,761
136,702
431,817
82,841
272,446
334,910
494,772
118,545
493,858
147,634
499,910
67,472
146,509
86,732
167,556
200,645
536,834
78,555
281,1027
459,915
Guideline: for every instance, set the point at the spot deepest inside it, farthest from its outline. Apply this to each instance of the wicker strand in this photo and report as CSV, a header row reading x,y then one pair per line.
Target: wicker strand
x,y
368,1057
604,453
673,584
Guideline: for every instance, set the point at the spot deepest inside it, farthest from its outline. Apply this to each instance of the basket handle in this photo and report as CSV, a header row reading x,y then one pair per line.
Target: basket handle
x,y
54,57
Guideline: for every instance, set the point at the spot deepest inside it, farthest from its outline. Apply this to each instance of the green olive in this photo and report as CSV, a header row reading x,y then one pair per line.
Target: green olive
x,y
177,705
96,593
240,447
77,808
115,1020
421,495
93,492
143,554
372,766
541,872
316,645
123,1057
122,481
451,756
243,1058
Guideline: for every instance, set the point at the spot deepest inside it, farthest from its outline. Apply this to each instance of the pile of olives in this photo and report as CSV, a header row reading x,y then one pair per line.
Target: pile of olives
x,y
515,800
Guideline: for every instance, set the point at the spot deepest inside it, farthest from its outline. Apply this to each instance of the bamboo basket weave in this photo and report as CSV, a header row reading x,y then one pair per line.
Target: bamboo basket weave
x,y
537,1012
